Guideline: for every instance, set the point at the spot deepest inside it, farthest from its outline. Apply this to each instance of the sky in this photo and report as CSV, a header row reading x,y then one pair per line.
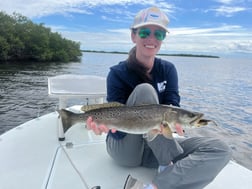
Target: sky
x,y
212,27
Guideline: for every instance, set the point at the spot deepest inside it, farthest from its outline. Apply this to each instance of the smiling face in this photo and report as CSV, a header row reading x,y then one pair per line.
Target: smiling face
x,y
148,46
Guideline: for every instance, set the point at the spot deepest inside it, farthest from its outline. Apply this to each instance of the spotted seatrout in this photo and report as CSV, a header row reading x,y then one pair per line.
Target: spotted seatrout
x,y
134,119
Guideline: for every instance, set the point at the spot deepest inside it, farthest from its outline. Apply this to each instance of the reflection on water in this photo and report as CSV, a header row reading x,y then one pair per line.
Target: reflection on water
x,y
24,92
220,88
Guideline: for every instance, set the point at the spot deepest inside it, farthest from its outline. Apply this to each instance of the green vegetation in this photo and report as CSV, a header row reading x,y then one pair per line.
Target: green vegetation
x,y
22,40
187,55
191,55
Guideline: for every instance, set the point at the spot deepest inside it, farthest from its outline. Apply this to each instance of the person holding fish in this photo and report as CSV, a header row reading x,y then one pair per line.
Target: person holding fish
x,y
189,163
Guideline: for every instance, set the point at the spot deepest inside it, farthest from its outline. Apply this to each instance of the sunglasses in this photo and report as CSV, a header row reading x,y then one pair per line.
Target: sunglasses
x,y
146,32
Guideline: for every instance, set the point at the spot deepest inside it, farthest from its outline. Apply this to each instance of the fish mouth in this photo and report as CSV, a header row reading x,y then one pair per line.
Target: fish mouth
x,y
196,120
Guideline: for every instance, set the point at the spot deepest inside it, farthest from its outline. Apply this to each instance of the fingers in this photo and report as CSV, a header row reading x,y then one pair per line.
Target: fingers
x,y
97,129
103,128
113,130
88,123
179,129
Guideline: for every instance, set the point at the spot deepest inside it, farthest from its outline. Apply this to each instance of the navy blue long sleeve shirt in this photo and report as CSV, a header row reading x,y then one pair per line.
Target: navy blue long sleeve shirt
x,y
121,81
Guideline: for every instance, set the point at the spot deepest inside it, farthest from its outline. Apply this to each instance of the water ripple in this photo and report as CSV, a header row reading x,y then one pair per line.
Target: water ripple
x,y
220,88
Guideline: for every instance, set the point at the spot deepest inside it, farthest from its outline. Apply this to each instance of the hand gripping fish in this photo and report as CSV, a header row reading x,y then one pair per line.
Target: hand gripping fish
x,y
134,119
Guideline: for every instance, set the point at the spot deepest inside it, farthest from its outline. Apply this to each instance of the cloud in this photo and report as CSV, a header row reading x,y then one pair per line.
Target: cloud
x,y
108,40
225,29
228,11
209,40
226,1
225,39
218,40
40,8
229,8
241,46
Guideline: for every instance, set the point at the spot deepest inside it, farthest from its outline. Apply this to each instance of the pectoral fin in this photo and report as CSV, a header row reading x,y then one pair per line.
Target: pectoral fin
x,y
166,130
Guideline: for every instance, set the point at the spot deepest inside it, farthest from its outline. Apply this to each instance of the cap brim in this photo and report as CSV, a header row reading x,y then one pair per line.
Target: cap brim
x,y
149,23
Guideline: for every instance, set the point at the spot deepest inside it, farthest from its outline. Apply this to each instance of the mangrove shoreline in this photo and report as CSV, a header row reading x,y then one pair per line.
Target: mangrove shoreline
x,y
161,54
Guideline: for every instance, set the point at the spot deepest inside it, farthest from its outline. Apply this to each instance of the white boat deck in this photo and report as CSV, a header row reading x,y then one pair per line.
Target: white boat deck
x,y
32,157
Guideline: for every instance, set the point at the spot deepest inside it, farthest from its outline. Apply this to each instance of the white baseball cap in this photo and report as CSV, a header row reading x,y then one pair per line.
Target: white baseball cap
x,y
151,16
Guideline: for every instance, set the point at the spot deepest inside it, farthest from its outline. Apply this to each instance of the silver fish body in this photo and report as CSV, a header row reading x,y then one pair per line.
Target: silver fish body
x,y
134,119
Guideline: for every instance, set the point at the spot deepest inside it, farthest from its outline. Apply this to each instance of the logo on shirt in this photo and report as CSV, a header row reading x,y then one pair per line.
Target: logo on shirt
x,y
161,86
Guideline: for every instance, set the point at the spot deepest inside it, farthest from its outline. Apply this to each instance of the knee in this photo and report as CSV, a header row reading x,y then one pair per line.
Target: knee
x,y
145,94
227,150
221,145
145,87
221,148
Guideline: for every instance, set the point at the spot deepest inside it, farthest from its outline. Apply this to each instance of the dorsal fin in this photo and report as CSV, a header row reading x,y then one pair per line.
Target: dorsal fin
x,y
86,108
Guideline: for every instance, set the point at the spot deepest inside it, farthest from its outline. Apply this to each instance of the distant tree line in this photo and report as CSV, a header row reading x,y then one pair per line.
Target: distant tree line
x,y
162,54
22,40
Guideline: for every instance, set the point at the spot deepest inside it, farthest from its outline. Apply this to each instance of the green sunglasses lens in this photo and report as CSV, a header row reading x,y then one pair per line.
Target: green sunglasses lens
x,y
144,32
160,35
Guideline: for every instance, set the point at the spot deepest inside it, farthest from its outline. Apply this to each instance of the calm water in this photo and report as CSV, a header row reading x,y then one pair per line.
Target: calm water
x,y
220,88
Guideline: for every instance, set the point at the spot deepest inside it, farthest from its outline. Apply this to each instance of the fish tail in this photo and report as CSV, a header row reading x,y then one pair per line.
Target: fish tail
x,y
66,118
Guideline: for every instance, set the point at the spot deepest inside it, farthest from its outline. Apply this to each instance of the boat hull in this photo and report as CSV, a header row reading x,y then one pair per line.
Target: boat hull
x,y
31,156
